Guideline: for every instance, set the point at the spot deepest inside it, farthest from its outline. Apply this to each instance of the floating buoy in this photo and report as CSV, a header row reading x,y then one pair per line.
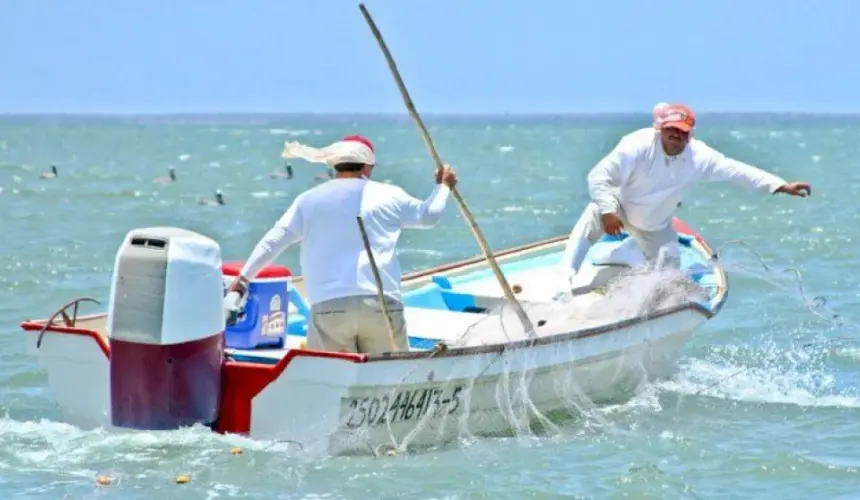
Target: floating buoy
x,y
183,478
236,451
385,450
517,288
104,480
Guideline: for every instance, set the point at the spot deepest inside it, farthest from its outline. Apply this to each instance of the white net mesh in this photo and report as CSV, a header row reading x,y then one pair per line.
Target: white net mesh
x,y
528,391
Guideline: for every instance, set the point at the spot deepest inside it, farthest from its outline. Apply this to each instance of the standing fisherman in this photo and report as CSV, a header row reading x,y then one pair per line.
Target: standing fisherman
x,y
639,185
339,282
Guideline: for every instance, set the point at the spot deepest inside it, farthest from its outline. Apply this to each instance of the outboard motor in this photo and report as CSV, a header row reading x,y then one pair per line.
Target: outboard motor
x,y
165,324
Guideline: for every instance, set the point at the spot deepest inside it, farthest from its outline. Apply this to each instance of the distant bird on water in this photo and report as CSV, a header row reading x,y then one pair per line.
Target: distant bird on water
x,y
50,175
326,176
218,200
287,174
167,180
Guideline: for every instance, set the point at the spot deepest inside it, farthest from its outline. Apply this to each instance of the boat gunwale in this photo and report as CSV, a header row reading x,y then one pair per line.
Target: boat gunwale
x,y
103,343
101,340
538,341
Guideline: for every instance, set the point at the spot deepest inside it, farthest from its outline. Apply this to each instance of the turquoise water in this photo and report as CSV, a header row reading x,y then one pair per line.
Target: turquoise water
x,y
764,405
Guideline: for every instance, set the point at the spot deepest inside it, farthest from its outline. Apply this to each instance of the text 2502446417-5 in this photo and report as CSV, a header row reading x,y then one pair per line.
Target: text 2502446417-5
x,y
401,406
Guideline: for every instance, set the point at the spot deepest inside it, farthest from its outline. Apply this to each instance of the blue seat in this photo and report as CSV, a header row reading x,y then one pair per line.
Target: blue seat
x,y
297,324
683,239
428,296
455,301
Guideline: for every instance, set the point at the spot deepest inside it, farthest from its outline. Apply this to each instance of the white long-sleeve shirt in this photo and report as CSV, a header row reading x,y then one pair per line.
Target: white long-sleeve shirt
x,y
649,184
333,260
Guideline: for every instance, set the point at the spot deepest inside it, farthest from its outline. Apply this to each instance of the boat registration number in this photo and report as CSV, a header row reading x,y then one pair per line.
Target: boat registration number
x,y
403,406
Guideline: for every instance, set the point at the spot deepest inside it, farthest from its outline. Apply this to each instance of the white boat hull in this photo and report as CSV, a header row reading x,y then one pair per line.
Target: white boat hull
x,y
447,396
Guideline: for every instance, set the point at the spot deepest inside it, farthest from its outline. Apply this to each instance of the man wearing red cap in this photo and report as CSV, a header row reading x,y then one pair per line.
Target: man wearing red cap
x,y
339,284
639,185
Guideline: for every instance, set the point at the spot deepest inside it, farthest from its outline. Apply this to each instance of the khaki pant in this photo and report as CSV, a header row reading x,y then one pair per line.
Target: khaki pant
x,y
356,324
589,229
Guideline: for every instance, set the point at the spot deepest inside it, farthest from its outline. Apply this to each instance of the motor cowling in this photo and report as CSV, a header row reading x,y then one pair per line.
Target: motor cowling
x,y
165,329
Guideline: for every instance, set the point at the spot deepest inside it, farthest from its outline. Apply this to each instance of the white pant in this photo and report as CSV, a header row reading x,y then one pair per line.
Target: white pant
x,y
589,229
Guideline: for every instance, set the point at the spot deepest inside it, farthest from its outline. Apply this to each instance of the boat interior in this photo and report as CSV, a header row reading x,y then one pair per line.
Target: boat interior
x,y
441,304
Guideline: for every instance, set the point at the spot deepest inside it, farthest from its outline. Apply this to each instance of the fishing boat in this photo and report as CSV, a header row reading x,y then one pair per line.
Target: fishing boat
x,y
161,357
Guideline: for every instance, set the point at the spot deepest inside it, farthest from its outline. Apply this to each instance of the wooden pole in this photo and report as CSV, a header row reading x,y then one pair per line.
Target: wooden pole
x,y
467,215
379,290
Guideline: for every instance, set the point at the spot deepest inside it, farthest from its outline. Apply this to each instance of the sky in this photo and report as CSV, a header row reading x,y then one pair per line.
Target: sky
x,y
456,56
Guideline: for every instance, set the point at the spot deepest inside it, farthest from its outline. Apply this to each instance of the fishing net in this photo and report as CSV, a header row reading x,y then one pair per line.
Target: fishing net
x,y
529,391
641,291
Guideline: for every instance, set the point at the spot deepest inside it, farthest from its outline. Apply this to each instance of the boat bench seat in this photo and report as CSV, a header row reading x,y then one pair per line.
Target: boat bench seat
x,y
439,295
683,239
434,325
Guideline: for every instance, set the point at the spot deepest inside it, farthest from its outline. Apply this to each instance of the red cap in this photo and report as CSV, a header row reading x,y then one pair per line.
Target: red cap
x,y
677,116
361,139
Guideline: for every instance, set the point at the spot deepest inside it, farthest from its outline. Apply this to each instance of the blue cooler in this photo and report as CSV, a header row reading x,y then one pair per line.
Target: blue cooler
x,y
264,323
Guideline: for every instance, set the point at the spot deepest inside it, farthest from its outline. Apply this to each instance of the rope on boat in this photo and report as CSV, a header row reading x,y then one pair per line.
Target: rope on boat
x,y
69,322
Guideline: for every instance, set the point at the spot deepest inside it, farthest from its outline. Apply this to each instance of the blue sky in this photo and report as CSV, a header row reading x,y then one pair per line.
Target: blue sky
x,y
456,56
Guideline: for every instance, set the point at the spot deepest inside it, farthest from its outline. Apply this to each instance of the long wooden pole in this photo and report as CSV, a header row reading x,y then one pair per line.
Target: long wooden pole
x,y
379,293
467,215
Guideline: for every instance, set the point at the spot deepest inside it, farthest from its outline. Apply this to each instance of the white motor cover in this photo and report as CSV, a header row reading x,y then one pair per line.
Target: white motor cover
x,y
167,288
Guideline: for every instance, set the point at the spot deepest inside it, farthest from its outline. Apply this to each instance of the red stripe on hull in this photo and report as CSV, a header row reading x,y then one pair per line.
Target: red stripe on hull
x,y
244,381
682,227
161,387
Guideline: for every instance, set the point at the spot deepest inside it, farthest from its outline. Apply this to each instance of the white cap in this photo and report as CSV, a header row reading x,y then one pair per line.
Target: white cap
x,y
660,106
348,150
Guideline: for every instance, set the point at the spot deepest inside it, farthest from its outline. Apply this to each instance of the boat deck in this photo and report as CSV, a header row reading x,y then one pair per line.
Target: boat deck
x,y
427,328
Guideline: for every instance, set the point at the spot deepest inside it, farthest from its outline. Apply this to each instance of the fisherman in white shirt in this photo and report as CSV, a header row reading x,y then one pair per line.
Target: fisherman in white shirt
x,y
339,283
639,185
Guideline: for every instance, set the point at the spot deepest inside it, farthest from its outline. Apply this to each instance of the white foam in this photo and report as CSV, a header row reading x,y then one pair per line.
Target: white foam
x,y
289,132
759,385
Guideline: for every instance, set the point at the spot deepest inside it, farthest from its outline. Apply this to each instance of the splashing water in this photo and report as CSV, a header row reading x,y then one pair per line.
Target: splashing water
x,y
797,375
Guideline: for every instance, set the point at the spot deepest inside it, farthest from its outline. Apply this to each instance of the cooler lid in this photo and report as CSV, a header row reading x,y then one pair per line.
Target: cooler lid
x,y
271,271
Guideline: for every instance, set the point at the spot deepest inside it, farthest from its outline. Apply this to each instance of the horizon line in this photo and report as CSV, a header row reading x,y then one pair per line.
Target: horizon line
x,y
172,114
